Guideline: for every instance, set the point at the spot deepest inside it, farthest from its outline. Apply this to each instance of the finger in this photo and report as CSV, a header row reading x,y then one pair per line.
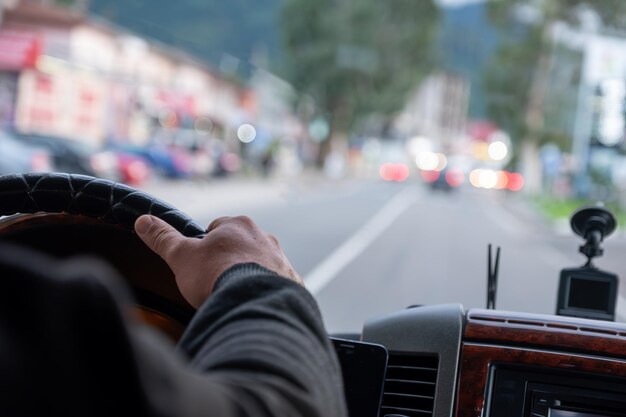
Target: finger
x,y
215,223
159,236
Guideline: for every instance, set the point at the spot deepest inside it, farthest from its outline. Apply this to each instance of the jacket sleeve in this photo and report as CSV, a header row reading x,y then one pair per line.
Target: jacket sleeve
x,y
260,337
70,346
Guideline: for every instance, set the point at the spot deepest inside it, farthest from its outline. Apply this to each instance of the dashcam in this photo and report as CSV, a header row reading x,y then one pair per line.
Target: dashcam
x,y
587,292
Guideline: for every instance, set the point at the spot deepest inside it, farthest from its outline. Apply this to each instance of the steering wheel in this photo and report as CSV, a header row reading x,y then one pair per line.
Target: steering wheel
x,y
65,215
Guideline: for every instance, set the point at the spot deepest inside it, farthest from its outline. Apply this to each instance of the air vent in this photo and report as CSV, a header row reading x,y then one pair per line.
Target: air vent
x,y
410,385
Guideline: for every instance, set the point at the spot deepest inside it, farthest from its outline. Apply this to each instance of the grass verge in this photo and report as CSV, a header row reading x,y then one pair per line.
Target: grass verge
x,y
558,209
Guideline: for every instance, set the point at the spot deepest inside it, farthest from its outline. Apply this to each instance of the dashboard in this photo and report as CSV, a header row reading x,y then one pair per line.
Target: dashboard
x,y
445,361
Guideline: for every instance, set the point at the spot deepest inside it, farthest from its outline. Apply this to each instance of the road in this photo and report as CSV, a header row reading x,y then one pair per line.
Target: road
x,y
367,248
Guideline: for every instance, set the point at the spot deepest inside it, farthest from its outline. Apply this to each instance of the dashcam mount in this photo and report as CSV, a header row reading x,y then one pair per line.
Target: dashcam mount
x,y
587,291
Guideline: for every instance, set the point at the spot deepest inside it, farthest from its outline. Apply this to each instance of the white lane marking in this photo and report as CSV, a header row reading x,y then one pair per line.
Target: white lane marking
x,y
328,269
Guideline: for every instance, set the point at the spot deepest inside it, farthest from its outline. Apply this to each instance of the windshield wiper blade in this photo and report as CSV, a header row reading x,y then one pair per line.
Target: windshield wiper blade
x,y
492,277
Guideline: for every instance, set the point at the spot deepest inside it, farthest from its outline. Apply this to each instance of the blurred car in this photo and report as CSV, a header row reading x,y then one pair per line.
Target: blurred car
x,y
441,183
75,157
166,161
194,151
133,169
16,156
445,180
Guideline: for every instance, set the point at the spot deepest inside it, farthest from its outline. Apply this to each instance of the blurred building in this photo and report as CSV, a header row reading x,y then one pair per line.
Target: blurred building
x,y
68,74
4,5
588,89
280,134
438,110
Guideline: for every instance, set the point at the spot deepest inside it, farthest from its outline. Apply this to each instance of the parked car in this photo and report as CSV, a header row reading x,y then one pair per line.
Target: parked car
x,y
167,161
133,169
76,157
16,156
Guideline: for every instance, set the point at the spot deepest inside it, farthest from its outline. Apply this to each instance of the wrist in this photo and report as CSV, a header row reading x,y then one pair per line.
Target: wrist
x,y
240,271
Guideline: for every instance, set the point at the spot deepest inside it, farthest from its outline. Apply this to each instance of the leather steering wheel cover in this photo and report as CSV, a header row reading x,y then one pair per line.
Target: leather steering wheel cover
x,y
83,195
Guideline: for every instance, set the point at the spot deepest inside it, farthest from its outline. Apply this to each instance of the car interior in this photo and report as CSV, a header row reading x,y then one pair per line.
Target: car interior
x,y
440,360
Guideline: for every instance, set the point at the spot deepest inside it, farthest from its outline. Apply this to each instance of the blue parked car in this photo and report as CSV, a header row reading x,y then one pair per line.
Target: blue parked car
x,y
165,161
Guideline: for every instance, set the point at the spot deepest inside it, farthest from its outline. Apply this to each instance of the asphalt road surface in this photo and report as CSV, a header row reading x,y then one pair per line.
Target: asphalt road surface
x,y
367,248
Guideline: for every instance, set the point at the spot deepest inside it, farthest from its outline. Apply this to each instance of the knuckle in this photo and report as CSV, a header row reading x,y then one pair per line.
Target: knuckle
x,y
216,222
225,233
274,239
244,220
219,234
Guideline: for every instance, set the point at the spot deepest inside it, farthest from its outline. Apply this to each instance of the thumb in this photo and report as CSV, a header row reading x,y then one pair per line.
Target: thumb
x,y
159,236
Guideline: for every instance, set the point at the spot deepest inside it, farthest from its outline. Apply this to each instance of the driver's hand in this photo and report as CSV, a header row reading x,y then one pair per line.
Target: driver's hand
x,y
198,263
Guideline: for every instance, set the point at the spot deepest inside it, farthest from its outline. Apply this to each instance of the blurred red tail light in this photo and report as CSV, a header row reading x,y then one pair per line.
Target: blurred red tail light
x,y
394,172
455,177
515,181
385,172
430,176
402,172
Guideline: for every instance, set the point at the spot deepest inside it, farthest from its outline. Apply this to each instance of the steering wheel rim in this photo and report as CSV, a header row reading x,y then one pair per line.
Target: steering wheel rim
x,y
96,217
83,195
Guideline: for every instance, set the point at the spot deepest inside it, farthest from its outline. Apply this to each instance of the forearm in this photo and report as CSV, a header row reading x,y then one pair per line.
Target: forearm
x,y
262,337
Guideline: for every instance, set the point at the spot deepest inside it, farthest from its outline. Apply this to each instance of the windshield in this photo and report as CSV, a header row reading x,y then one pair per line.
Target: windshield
x,y
385,143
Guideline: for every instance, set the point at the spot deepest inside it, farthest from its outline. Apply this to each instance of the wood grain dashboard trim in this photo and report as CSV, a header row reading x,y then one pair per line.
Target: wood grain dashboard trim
x,y
476,360
547,332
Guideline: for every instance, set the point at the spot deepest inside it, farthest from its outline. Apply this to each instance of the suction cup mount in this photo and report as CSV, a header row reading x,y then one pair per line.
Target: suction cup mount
x,y
593,224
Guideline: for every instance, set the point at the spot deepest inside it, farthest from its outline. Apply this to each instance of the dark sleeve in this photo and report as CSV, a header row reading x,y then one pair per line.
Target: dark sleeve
x,y
64,346
68,346
260,337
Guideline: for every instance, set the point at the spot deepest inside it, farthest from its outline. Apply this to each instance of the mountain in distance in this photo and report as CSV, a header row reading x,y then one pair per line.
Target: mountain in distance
x,y
214,29
208,29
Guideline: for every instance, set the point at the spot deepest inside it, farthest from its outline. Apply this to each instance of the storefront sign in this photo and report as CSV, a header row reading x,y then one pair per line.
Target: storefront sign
x,y
19,50
67,104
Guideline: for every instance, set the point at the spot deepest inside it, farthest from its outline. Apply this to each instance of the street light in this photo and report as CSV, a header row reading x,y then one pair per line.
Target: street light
x,y
497,150
246,133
